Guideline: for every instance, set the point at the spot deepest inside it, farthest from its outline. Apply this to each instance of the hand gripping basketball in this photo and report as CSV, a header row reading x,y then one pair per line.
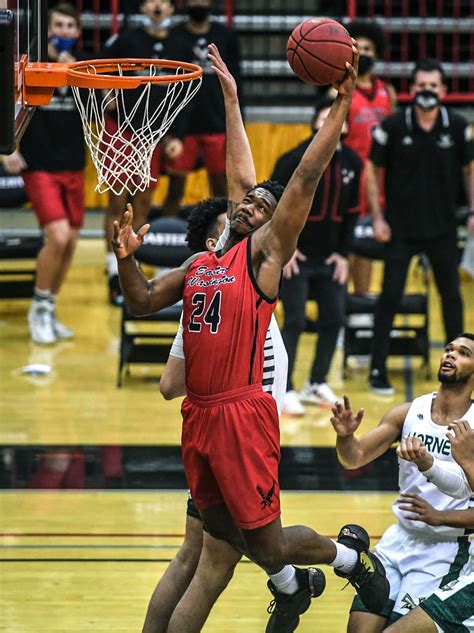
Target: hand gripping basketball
x,y
346,85
125,241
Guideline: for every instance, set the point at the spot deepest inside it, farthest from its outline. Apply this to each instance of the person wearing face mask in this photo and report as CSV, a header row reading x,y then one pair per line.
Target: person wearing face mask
x,y
374,99
422,149
147,41
51,159
320,262
202,123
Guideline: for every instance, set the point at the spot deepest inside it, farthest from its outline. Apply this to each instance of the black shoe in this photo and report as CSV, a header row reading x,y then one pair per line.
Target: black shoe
x,y
286,608
368,577
379,383
115,291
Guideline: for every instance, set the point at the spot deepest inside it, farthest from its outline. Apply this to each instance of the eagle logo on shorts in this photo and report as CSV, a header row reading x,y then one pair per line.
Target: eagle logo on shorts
x,y
266,498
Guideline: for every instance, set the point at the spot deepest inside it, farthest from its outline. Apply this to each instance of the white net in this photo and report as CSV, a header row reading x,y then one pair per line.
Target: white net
x,y
122,127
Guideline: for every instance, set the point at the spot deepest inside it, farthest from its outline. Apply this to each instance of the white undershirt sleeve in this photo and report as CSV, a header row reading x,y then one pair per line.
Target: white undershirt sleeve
x,y
177,346
449,478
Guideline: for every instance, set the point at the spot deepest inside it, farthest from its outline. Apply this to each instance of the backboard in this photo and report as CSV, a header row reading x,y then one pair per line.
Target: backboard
x,y
23,36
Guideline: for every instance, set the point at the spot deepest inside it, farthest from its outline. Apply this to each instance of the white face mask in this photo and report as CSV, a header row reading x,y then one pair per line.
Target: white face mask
x,y
151,24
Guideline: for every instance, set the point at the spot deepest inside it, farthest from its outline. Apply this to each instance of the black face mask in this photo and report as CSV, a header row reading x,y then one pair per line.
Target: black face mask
x,y
365,64
198,13
426,100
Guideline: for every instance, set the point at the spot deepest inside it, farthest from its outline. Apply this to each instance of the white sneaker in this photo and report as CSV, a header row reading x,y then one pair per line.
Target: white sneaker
x,y
60,330
40,321
292,404
320,394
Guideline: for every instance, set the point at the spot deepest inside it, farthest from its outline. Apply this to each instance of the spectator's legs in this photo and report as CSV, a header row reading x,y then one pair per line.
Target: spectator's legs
x,y
331,303
395,271
218,185
58,248
361,269
174,195
444,259
68,254
294,294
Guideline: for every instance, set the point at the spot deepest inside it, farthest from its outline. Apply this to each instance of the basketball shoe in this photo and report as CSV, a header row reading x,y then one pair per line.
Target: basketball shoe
x,y
61,330
40,322
368,576
320,394
286,608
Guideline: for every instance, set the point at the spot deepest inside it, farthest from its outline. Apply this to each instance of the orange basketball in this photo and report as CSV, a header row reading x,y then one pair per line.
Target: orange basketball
x,y
318,50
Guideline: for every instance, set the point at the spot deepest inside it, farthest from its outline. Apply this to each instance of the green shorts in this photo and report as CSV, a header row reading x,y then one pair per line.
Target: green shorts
x,y
452,606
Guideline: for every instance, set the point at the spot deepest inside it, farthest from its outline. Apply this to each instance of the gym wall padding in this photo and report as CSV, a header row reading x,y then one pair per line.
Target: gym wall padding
x,y
268,141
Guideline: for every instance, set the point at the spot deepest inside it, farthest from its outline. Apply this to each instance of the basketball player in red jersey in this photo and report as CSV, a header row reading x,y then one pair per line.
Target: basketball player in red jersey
x,y
373,100
230,439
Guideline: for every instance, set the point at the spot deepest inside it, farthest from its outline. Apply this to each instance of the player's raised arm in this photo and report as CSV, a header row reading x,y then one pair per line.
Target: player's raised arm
x,y
141,296
354,452
240,169
279,236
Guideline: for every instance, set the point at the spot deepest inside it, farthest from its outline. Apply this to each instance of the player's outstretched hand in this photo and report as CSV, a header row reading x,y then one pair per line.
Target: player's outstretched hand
x,y
126,241
413,450
462,442
228,83
421,509
344,421
347,84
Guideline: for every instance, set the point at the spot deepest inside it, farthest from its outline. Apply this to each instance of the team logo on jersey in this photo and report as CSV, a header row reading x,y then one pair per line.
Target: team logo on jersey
x,y
200,52
408,603
407,140
205,277
449,586
434,444
266,498
347,175
445,141
419,416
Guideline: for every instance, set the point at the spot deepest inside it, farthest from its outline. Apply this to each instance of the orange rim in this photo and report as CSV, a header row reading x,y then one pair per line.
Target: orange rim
x,y
94,73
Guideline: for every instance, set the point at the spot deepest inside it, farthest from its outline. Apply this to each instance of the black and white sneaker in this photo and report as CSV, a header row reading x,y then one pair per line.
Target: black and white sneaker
x,y
379,383
286,608
368,576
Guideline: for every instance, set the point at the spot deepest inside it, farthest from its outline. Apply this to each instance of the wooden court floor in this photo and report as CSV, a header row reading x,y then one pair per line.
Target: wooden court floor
x,y
88,560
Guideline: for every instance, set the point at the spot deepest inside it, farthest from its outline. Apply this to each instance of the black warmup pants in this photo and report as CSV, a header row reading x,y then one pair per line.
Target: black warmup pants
x,y
443,255
330,297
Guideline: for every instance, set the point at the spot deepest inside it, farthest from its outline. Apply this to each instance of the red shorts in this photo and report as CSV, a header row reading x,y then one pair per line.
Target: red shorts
x,y
56,195
209,147
231,450
118,151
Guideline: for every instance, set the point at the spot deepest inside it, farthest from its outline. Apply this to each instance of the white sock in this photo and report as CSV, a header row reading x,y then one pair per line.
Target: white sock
x,y
112,266
41,296
346,558
285,580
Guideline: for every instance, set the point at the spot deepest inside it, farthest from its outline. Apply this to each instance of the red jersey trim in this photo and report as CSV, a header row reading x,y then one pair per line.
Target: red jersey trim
x,y
252,274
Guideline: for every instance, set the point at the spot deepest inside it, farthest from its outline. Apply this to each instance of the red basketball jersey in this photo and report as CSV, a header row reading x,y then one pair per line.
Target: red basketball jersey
x,y
225,322
367,109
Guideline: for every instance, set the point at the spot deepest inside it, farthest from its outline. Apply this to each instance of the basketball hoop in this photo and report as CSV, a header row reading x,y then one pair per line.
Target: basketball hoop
x,y
145,95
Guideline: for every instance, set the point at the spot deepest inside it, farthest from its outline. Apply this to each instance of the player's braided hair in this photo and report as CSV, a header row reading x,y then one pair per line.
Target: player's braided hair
x,y
202,222
370,30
